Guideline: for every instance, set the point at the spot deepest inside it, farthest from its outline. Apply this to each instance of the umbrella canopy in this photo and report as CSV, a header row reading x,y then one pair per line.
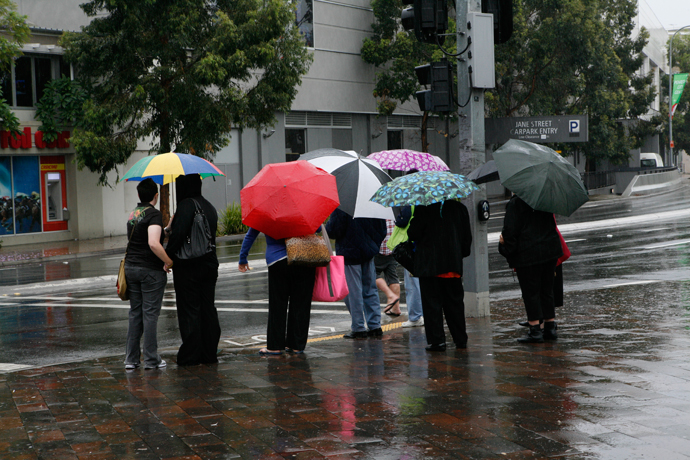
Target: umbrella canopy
x,y
288,199
405,160
358,179
165,167
424,188
328,152
487,172
541,177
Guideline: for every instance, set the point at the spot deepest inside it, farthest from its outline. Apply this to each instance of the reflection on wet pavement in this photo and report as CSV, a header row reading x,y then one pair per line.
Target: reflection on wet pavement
x,y
615,386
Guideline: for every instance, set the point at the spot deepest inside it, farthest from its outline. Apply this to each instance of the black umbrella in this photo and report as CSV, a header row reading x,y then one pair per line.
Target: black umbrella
x,y
487,172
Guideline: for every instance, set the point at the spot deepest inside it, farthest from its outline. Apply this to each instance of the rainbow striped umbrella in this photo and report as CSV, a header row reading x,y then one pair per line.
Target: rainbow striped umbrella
x,y
165,167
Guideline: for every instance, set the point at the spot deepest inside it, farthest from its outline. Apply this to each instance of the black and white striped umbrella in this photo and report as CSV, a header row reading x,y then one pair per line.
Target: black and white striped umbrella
x,y
358,180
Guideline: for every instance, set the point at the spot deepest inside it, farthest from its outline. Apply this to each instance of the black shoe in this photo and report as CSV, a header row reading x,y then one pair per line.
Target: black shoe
x,y
356,335
526,323
534,335
375,332
436,347
460,346
549,331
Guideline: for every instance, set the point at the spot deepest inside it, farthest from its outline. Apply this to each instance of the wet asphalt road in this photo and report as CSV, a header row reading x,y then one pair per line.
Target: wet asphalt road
x,y
53,323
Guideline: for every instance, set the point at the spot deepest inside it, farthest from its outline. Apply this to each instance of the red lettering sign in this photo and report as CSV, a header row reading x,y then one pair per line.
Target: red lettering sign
x,y
23,141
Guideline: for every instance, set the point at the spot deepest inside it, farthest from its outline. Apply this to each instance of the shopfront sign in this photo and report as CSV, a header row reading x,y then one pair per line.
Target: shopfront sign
x,y
24,140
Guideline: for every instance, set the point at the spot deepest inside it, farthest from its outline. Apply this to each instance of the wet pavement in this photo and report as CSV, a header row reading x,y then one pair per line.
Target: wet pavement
x,y
614,386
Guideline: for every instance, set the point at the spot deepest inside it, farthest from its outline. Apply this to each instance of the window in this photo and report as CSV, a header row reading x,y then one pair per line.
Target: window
x,y
294,143
394,140
304,18
23,86
20,197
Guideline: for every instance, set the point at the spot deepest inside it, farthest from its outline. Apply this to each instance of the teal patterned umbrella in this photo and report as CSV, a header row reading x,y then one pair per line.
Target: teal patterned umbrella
x,y
424,188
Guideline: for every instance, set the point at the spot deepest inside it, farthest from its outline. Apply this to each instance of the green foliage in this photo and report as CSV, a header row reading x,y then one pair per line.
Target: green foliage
x,y
395,53
182,73
576,57
230,221
15,32
62,104
681,118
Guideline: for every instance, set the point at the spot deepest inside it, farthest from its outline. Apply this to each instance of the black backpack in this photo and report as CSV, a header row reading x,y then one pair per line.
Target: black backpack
x,y
199,242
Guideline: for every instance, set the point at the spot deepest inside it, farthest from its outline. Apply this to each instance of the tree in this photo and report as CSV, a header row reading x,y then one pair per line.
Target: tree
x,y
180,74
576,57
681,118
395,53
15,33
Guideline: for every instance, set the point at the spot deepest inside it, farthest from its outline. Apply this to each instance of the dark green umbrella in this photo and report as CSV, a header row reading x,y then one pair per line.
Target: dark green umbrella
x,y
541,177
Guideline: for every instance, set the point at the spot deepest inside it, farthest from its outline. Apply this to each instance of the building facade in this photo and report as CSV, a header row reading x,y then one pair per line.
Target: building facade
x,y
45,197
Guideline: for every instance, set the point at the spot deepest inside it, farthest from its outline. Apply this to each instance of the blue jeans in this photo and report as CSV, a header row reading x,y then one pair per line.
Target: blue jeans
x,y
363,299
146,288
413,297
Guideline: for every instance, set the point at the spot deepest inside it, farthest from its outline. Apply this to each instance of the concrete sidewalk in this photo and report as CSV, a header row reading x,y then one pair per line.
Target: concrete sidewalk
x,y
614,386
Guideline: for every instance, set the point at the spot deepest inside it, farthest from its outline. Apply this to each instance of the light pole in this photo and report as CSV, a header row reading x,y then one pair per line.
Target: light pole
x,y
670,95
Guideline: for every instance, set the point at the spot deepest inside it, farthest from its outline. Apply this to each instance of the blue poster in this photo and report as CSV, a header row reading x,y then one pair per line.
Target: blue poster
x,y
6,207
27,196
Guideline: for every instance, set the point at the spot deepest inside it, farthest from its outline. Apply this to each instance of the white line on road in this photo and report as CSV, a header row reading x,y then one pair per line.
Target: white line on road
x,y
666,245
125,306
632,283
579,239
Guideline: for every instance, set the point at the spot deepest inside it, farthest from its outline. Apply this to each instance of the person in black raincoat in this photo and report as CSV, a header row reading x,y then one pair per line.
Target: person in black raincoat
x,y
530,242
194,279
443,237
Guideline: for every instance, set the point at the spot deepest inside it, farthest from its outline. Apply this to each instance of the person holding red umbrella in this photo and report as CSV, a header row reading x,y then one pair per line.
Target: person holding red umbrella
x,y
285,200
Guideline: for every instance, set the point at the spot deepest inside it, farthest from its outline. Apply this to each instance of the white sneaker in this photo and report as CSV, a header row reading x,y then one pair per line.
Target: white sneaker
x,y
419,322
160,365
130,367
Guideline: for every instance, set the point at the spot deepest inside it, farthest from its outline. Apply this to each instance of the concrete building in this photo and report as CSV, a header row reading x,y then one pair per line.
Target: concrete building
x,y
46,197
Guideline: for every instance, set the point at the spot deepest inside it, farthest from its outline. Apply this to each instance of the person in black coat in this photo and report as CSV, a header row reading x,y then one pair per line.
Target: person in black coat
x,y
530,242
194,279
358,241
442,236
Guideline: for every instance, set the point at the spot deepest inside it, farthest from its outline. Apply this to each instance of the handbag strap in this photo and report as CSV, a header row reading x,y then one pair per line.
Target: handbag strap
x,y
324,234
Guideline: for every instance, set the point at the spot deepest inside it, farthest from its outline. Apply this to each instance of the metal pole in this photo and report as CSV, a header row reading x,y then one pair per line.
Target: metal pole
x,y
670,95
472,154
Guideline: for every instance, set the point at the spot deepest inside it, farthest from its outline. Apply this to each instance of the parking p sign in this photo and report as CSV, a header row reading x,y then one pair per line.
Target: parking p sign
x,y
574,128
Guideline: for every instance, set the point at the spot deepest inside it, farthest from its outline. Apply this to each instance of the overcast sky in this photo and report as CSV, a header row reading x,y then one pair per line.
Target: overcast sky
x,y
671,13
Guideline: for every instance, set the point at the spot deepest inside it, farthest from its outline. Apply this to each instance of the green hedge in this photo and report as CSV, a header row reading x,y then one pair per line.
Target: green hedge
x,y
230,221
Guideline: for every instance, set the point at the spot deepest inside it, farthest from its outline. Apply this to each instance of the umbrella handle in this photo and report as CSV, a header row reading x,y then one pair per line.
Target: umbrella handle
x,y
324,233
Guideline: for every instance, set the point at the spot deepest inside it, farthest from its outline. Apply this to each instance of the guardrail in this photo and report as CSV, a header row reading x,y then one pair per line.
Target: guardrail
x,y
601,179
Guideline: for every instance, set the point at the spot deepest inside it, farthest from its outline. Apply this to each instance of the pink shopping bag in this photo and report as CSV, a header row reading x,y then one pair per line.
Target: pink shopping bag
x,y
330,284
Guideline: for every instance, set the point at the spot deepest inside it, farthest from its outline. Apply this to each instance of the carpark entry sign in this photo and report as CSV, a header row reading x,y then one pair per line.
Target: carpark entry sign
x,y
540,130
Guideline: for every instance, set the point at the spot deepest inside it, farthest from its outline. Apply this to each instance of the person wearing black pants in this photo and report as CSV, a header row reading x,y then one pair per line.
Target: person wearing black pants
x,y
443,296
194,279
442,237
530,243
288,329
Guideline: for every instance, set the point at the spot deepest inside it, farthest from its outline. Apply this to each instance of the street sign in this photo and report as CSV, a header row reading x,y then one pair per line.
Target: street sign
x,y
540,130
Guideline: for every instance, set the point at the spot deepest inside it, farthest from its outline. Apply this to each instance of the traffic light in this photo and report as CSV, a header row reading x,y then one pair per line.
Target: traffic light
x,y
428,18
503,18
438,75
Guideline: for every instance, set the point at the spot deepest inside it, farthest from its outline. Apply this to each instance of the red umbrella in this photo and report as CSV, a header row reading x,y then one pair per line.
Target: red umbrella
x,y
289,199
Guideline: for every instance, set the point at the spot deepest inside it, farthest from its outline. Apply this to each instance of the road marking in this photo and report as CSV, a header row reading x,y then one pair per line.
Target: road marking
x,y
667,245
9,367
125,306
632,283
579,239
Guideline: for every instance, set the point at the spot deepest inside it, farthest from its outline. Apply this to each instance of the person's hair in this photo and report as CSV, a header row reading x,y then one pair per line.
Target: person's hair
x,y
412,171
147,189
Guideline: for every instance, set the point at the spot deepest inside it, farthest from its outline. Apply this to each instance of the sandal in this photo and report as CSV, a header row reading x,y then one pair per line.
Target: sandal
x,y
290,350
266,351
389,308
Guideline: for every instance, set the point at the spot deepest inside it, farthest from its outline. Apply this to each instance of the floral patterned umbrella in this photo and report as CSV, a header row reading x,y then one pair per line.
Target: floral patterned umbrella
x,y
424,188
405,160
